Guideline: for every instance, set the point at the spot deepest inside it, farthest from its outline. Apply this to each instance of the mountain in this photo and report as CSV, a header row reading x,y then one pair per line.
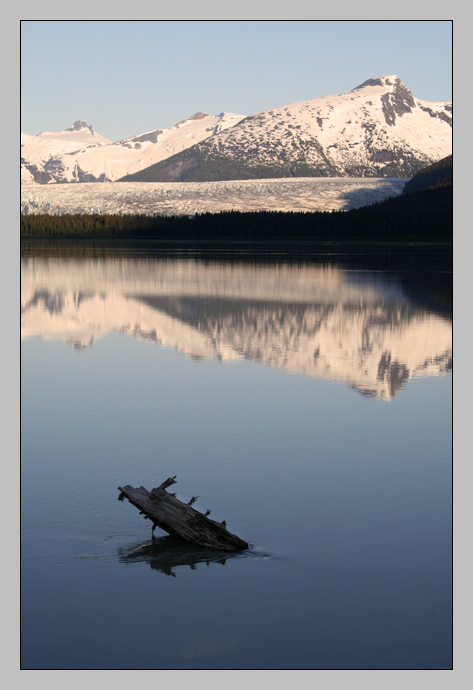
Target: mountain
x,y
78,154
39,152
379,129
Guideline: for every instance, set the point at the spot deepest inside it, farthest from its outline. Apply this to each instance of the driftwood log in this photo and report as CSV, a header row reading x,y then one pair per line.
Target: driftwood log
x,y
180,519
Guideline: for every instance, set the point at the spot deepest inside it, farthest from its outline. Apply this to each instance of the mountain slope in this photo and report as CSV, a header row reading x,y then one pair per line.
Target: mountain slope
x,y
60,157
378,129
436,175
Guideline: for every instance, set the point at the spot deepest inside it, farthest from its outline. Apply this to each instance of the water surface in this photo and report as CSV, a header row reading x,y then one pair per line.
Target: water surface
x,y
306,398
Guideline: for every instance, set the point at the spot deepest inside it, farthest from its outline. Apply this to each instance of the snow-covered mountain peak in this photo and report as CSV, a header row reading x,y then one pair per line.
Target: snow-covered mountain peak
x,y
79,132
80,125
196,116
43,150
395,98
389,81
221,121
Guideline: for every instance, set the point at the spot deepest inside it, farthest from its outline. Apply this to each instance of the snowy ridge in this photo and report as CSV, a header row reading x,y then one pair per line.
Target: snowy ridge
x,y
311,321
189,198
58,157
378,129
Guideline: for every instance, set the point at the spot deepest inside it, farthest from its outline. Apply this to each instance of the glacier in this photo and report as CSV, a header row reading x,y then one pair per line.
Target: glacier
x,y
190,198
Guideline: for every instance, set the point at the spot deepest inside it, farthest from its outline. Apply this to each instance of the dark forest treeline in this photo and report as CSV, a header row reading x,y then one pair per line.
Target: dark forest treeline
x,y
424,215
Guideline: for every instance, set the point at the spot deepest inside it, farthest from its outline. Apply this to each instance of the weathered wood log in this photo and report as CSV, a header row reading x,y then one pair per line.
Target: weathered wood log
x,y
180,519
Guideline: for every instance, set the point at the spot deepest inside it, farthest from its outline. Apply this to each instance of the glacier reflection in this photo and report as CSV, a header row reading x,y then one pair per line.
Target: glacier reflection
x,y
318,321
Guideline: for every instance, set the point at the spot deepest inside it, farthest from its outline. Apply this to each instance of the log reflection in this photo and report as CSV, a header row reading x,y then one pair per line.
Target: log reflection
x,y
167,553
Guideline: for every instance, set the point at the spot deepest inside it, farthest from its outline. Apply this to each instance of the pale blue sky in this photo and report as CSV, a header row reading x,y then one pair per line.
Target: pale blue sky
x,y
129,77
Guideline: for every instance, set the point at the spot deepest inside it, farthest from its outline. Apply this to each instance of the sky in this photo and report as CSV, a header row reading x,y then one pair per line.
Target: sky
x,y
129,77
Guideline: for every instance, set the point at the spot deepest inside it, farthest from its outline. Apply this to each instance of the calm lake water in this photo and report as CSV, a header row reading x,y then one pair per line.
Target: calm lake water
x,y
305,397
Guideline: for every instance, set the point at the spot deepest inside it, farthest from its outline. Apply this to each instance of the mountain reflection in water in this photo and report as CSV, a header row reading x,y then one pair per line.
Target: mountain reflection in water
x,y
318,320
